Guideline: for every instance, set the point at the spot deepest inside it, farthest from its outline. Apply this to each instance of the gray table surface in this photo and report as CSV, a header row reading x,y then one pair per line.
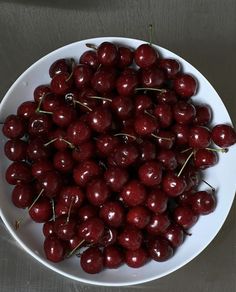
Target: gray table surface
x,y
202,32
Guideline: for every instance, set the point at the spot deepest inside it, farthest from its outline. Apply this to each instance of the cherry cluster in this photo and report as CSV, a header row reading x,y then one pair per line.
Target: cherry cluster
x,y
109,157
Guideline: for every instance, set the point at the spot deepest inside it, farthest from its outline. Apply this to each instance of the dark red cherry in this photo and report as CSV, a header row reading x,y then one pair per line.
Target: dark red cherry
x,y
13,127
136,258
185,85
204,158
143,102
165,139
185,197
48,228
167,158
91,230
100,120
39,124
97,192
59,66
134,193
89,58
185,216
173,185
22,195
41,211
130,238
174,233
181,133
167,96
126,84
138,217
192,177
145,125
145,56
84,152
26,109
82,76
92,260
116,178
160,249
122,106
54,249
184,112
78,133
199,137
203,202
72,195
51,183
15,150
18,172
107,54
51,102
63,161
61,83
150,173
147,150
41,166
223,135
109,237
170,66
125,57
125,154
65,229
85,171
75,242
113,257
64,115
152,77
106,143
163,112
157,201
203,115
40,91
103,81
87,211
112,213
158,223
36,149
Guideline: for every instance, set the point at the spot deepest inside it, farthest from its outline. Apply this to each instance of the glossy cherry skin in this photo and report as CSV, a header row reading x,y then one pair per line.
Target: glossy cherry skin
x,y
64,115
199,137
134,193
165,139
26,109
185,85
184,112
48,228
22,195
112,213
125,154
51,102
106,143
138,217
136,258
15,150
65,229
39,124
18,172
116,178
142,102
82,76
103,81
107,54
74,242
126,84
145,125
152,77
150,173
92,260
13,127
40,91
223,135
167,158
159,249
36,149
171,67
203,115
59,66
109,237
182,133
122,106
163,112
167,97
125,57
85,171
158,224
91,230
185,198
86,211
203,202
192,177
97,192
113,257
157,201
51,183
63,161
145,56
204,158
78,133
54,249
100,120
41,211
89,58
173,185
61,83
147,150
130,238
174,233
84,152
185,216
41,166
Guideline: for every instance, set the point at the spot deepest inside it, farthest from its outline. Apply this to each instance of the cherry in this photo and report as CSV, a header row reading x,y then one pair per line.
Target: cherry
x,y
152,77
100,120
89,58
150,173
40,91
91,230
72,195
170,66
58,139
133,193
22,195
13,127
184,112
116,178
174,233
145,56
109,237
74,242
82,99
41,211
122,106
103,80
112,213
126,84
185,85
51,102
82,76
84,152
41,166
158,223
145,125
167,97
51,183
203,202
185,198
54,249
130,238
157,201
163,112
173,185
85,171
160,249
59,66
15,150
167,158
87,211
125,154
143,102
106,143
223,135
165,139
203,115
192,177
204,158
64,228
125,57
36,149
91,260
48,228
63,161
63,116
61,83
113,257
26,109
182,133
107,54
62,209
97,192
185,216
138,217
199,137
39,124
136,258
147,150
18,172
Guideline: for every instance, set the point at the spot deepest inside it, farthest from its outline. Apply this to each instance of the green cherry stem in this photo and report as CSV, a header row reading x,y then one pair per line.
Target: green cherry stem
x,y
185,163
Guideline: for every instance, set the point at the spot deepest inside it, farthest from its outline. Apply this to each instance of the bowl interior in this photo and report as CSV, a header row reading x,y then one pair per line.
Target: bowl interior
x,y
30,236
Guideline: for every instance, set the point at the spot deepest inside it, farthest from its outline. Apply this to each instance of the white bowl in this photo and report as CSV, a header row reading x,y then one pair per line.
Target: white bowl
x,y
222,176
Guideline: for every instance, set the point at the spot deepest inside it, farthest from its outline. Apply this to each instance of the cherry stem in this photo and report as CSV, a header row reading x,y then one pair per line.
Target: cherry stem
x,y
158,137
84,105
18,222
146,112
223,150
99,97
102,164
45,112
68,143
73,250
50,142
186,150
92,46
69,211
40,103
124,134
150,34
185,163
212,189
53,210
72,64
150,88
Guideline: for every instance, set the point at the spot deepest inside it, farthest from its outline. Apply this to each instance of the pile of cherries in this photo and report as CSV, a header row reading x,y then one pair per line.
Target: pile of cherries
x,y
109,156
